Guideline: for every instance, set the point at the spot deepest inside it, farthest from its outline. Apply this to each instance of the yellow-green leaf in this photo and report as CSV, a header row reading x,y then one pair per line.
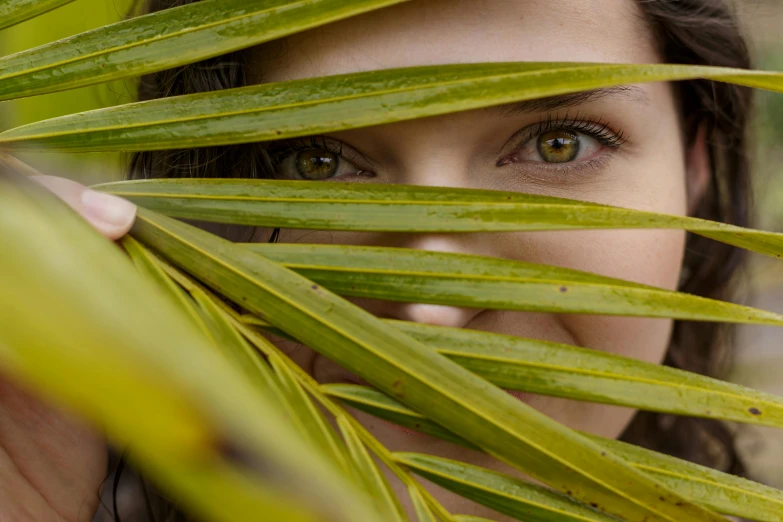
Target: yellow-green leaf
x,y
720,491
147,264
371,476
591,375
13,12
500,492
419,276
328,104
406,208
423,511
164,40
421,378
308,418
75,317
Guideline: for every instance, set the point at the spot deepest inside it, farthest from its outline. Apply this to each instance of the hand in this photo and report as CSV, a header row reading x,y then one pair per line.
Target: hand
x,y
51,463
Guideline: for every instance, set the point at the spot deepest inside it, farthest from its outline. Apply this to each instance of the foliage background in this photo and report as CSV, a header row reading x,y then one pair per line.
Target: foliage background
x,y
759,361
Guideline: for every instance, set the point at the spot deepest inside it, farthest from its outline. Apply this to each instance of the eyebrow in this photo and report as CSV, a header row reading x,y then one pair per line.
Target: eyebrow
x,y
563,101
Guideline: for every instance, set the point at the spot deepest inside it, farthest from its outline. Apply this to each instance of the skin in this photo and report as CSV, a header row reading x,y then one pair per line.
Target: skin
x,y
651,170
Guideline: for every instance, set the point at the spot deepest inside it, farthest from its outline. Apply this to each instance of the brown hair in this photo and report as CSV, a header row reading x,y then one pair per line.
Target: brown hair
x,y
703,32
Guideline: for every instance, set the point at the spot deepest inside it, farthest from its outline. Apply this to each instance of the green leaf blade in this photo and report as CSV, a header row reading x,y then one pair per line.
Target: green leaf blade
x,y
722,492
406,208
573,372
423,511
370,474
164,40
71,323
502,493
14,12
333,103
418,276
424,380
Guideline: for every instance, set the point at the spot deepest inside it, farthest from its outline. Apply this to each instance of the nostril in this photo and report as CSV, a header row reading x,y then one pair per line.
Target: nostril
x,y
437,314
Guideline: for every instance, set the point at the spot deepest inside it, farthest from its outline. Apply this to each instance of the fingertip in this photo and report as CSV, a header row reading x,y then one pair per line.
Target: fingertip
x,y
112,215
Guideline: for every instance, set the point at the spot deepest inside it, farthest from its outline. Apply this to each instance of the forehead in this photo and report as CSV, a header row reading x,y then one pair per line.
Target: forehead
x,y
428,32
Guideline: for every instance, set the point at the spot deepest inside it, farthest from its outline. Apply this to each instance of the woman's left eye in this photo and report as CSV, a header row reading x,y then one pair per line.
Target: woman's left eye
x,y
555,146
314,164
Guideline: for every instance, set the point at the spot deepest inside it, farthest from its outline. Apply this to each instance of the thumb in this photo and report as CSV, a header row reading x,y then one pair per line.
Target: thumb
x,y
110,215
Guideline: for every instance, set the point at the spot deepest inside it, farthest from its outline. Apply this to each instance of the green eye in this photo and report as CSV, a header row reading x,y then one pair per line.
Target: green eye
x,y
558,146
316,164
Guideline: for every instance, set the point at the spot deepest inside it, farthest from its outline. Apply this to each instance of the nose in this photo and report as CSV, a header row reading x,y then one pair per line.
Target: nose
x,y
435,314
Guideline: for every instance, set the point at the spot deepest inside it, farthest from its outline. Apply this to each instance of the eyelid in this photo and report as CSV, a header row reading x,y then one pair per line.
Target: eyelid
x,y
280,150
594,127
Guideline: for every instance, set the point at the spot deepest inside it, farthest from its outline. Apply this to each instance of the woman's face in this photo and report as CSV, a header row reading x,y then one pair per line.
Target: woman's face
x,y
620,146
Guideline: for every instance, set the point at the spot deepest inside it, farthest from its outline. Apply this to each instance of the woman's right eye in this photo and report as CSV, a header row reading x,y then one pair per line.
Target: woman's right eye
x,y
314,164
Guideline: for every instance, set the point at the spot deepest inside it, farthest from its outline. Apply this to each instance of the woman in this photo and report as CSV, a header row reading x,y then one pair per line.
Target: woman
x,y
677,149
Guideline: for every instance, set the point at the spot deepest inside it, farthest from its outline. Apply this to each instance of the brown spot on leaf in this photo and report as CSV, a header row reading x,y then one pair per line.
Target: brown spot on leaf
x,y
755,411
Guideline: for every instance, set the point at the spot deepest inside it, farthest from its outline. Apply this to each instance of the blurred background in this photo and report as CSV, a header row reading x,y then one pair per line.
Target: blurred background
x,y
759,361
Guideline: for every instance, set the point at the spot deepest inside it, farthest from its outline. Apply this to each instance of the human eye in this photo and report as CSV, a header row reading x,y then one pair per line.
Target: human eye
x,y
563,143
313,159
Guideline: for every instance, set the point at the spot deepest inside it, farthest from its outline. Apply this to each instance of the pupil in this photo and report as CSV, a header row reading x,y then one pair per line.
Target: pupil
x,y
558,146
315,164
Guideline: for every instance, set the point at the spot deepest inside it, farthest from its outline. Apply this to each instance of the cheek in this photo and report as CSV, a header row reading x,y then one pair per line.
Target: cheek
x,y
652,257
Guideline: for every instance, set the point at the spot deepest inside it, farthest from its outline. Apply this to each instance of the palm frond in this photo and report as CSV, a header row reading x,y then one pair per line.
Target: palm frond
x,y
163,40
421,378
725,493
58,334
407,208
13,12
502,493
328,104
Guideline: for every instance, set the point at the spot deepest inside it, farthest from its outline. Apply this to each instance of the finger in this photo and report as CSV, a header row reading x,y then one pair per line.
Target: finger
x,y
110,215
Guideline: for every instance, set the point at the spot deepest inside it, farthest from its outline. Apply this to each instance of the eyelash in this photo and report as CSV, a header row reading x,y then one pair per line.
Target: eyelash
x,y
594,127
281,150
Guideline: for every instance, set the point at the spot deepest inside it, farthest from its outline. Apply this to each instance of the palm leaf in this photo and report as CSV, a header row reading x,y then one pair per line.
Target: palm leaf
x,y
272,376
364,467
398,274
234,347
591,375
328,104
421,378
58,334
13,12
370,474
370,400
310,420
720,491
423,511
164,40
406,208
500,492
148,265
